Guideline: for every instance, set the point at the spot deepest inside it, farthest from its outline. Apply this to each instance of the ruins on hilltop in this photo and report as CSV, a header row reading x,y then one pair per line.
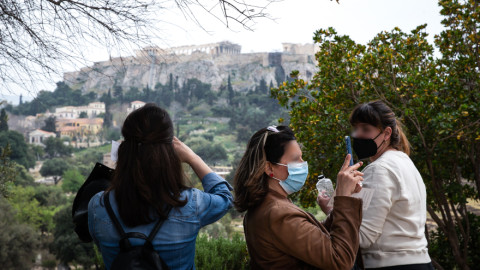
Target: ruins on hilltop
x,y
210,63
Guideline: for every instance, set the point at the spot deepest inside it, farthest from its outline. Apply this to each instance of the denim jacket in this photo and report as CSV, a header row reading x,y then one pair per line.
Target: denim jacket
x,y
175,241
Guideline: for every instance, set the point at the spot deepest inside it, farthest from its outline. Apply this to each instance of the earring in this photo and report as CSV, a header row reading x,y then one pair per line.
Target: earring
x,y
271,175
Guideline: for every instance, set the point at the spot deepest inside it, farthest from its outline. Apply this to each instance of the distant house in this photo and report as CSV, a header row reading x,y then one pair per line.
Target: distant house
x,y
135,105
38,136
71,112
79,128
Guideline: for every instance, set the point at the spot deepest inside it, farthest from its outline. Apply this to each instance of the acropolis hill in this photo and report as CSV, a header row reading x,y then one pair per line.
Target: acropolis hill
x,y
210,63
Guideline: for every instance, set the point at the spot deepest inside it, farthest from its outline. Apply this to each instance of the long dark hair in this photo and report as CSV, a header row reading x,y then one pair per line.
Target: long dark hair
x,y
148,177
250,181
378,114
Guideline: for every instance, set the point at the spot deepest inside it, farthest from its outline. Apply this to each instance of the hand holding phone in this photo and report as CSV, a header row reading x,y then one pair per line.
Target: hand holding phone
x,y
349,149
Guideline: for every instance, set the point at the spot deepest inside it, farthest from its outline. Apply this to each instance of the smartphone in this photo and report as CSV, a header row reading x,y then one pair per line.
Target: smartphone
x,y
349,148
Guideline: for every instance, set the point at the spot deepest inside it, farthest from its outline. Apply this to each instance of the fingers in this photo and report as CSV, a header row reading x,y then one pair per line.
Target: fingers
x,y
346,162
356,166
358,188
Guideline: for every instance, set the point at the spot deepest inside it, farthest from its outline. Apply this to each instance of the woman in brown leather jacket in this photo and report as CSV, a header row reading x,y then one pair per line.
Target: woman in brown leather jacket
x,y
279,234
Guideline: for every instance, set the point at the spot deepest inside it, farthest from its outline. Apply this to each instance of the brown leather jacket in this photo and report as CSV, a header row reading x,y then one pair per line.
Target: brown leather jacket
x,y
280,235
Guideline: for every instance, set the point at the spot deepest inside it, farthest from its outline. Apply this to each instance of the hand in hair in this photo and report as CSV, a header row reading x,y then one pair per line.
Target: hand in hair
x,y
183,151
188,156
348,178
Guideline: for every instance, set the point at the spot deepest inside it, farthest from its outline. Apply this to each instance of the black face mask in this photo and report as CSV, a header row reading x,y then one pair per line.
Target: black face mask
x,y
365,148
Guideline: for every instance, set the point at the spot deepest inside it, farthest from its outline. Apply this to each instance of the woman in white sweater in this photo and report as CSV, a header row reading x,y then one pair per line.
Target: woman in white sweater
x,y
392,234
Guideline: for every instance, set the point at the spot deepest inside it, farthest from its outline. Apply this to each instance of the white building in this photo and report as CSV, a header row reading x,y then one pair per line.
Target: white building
x,y
135,105
71,112
38,136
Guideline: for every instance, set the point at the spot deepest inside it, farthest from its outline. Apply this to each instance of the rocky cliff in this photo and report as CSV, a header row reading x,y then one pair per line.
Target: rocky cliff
x,y
210,63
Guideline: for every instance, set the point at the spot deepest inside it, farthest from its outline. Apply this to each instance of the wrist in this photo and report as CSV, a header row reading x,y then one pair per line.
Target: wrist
x,y
341,192
193,159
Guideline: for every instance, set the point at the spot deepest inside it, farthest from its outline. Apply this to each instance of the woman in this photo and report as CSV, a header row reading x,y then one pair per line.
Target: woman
x,y
392,234
280,235
147,182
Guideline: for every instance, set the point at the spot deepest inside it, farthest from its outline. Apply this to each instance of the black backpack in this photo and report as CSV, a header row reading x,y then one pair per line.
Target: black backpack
x,y
135,257
98,180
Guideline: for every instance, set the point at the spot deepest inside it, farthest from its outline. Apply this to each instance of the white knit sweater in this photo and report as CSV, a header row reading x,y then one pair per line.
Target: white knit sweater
x,y
393,226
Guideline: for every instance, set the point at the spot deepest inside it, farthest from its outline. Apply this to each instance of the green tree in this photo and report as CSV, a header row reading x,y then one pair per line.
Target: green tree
x,y
262,87
231,93
37,150
20,152
132,94
3,121
440,113
66,245
7,170
118,93
72,180
83,115
23,177
18,241
212,153
54,167
112,134
49,195
50,124
55,147
29,211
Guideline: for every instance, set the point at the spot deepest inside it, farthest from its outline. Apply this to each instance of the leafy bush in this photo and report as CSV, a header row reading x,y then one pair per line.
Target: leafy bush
x,y
440,249
221,253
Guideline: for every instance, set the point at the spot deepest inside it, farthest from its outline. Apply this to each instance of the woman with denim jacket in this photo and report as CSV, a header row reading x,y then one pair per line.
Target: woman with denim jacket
x,y
147,182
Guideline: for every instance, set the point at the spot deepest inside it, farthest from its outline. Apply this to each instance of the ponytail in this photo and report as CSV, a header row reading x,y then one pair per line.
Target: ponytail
x,y
402,144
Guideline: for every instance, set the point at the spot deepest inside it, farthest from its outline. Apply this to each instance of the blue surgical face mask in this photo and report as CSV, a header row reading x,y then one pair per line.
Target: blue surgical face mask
x,y
297,175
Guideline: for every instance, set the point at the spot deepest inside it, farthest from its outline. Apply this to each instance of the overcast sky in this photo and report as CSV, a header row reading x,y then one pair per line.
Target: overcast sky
x,y
294,22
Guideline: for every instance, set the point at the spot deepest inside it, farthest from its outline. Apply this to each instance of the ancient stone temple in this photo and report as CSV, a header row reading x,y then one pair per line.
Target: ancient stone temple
x,y
218,48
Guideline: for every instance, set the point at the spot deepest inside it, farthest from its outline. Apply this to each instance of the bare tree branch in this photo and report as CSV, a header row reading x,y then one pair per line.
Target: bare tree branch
x,y
39,38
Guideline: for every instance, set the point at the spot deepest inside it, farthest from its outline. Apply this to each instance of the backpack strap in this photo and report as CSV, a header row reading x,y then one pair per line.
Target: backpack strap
x,y
124,242
158,226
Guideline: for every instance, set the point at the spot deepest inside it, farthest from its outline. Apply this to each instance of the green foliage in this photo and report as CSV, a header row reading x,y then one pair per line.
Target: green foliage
x,y
63,95
49,124
55,147
37,151
3,120
437,99
83,115
7,170
54,167
221,253
28,209
112,134
17,240
72,181
19,149
49,196
66,245
212,153
132,94
22,177
439,246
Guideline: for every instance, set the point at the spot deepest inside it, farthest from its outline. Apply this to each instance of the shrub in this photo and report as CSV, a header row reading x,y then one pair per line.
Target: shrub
x,y
221,253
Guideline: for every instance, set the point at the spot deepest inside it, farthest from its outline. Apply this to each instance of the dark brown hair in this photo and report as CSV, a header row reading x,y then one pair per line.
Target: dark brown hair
x,y
149,176
250,181
378,114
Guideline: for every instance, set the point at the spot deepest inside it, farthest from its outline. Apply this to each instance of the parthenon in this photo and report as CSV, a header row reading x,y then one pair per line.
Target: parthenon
x,y
218,48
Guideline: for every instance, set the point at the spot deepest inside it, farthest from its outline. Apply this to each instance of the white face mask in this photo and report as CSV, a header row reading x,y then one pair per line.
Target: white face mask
x,y
297,175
